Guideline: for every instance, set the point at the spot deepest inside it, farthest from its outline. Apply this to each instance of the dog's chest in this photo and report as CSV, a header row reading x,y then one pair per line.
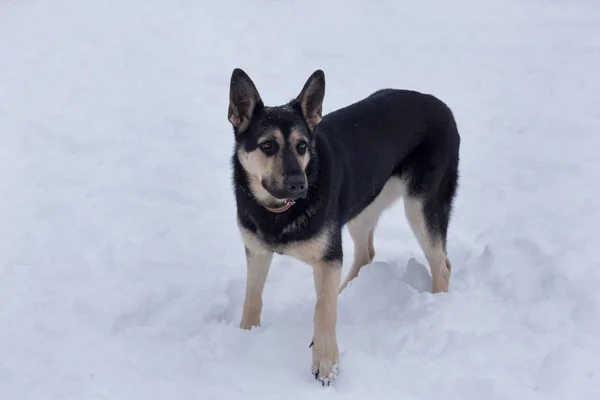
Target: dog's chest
x,y
310,250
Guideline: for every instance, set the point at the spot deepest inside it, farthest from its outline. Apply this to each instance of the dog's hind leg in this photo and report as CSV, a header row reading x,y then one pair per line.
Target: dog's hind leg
x,y
424,218
371,246
258,265
362,227
362,236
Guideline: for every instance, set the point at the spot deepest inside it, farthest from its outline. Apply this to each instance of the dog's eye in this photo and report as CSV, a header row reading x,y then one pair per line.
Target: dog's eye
x,y
268,146
301,147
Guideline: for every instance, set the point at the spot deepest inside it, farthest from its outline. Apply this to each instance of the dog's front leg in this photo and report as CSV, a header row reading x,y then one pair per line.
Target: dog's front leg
x,y
258,265
325,350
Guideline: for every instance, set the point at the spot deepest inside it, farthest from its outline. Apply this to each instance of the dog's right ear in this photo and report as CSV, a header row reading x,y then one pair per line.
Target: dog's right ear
x,y
243,99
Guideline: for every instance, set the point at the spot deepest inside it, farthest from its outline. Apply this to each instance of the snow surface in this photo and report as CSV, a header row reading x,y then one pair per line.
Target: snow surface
x,y
121,268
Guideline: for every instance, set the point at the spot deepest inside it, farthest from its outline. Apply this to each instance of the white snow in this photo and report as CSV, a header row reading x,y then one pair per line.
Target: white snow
x,y
121,267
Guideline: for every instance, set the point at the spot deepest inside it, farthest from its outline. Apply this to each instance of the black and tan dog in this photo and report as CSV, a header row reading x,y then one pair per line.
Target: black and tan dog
x,y
299,178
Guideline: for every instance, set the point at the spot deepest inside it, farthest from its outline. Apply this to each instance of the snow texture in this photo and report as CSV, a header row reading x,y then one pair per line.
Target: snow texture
x,y
121,268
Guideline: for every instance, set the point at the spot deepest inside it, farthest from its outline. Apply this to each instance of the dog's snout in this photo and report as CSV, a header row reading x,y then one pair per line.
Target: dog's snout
x,y
295,185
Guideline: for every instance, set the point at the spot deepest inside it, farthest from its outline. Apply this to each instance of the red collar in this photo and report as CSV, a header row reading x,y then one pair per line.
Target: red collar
x,y
285,207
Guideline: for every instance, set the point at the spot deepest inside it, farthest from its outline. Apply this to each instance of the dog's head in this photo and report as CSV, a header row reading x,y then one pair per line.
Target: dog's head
x,y
274,144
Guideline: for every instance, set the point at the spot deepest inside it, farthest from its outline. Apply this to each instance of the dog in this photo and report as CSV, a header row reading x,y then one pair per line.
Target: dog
x,y
300,177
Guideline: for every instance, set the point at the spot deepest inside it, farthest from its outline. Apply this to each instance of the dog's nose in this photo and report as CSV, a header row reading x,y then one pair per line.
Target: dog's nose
x,y
295,185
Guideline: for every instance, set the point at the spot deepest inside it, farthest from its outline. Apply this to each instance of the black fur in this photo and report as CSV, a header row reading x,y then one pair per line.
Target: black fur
x,y
354,151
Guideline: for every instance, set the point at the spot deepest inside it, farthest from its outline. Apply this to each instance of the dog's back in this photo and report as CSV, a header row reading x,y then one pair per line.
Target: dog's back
x,y
391,133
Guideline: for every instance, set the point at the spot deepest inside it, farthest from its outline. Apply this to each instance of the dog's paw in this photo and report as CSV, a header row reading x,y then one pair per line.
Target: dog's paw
x,y
248,324
325,362
328,378
250,318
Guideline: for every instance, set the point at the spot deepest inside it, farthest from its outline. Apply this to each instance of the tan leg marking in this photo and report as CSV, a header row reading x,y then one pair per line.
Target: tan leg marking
x,y
325,354
432,247
259,257
362,227
258,265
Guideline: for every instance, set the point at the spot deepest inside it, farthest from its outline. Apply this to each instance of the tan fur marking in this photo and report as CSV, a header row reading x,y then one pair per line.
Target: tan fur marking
x,y
258,265
295,138
308,251
432,247
238,118
371,246
256,166
362,227
313,120
259,167
235,119
325,353
327,280
252,241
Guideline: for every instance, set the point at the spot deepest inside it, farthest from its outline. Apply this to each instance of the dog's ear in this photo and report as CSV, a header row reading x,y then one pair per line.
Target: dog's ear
x,y
243,99
311,97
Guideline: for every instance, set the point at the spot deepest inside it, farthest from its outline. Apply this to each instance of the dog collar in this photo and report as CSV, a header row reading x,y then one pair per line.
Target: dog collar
x,y
285,207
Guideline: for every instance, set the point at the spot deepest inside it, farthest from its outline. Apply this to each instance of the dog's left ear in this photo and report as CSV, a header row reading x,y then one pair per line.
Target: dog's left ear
x,y
311,97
